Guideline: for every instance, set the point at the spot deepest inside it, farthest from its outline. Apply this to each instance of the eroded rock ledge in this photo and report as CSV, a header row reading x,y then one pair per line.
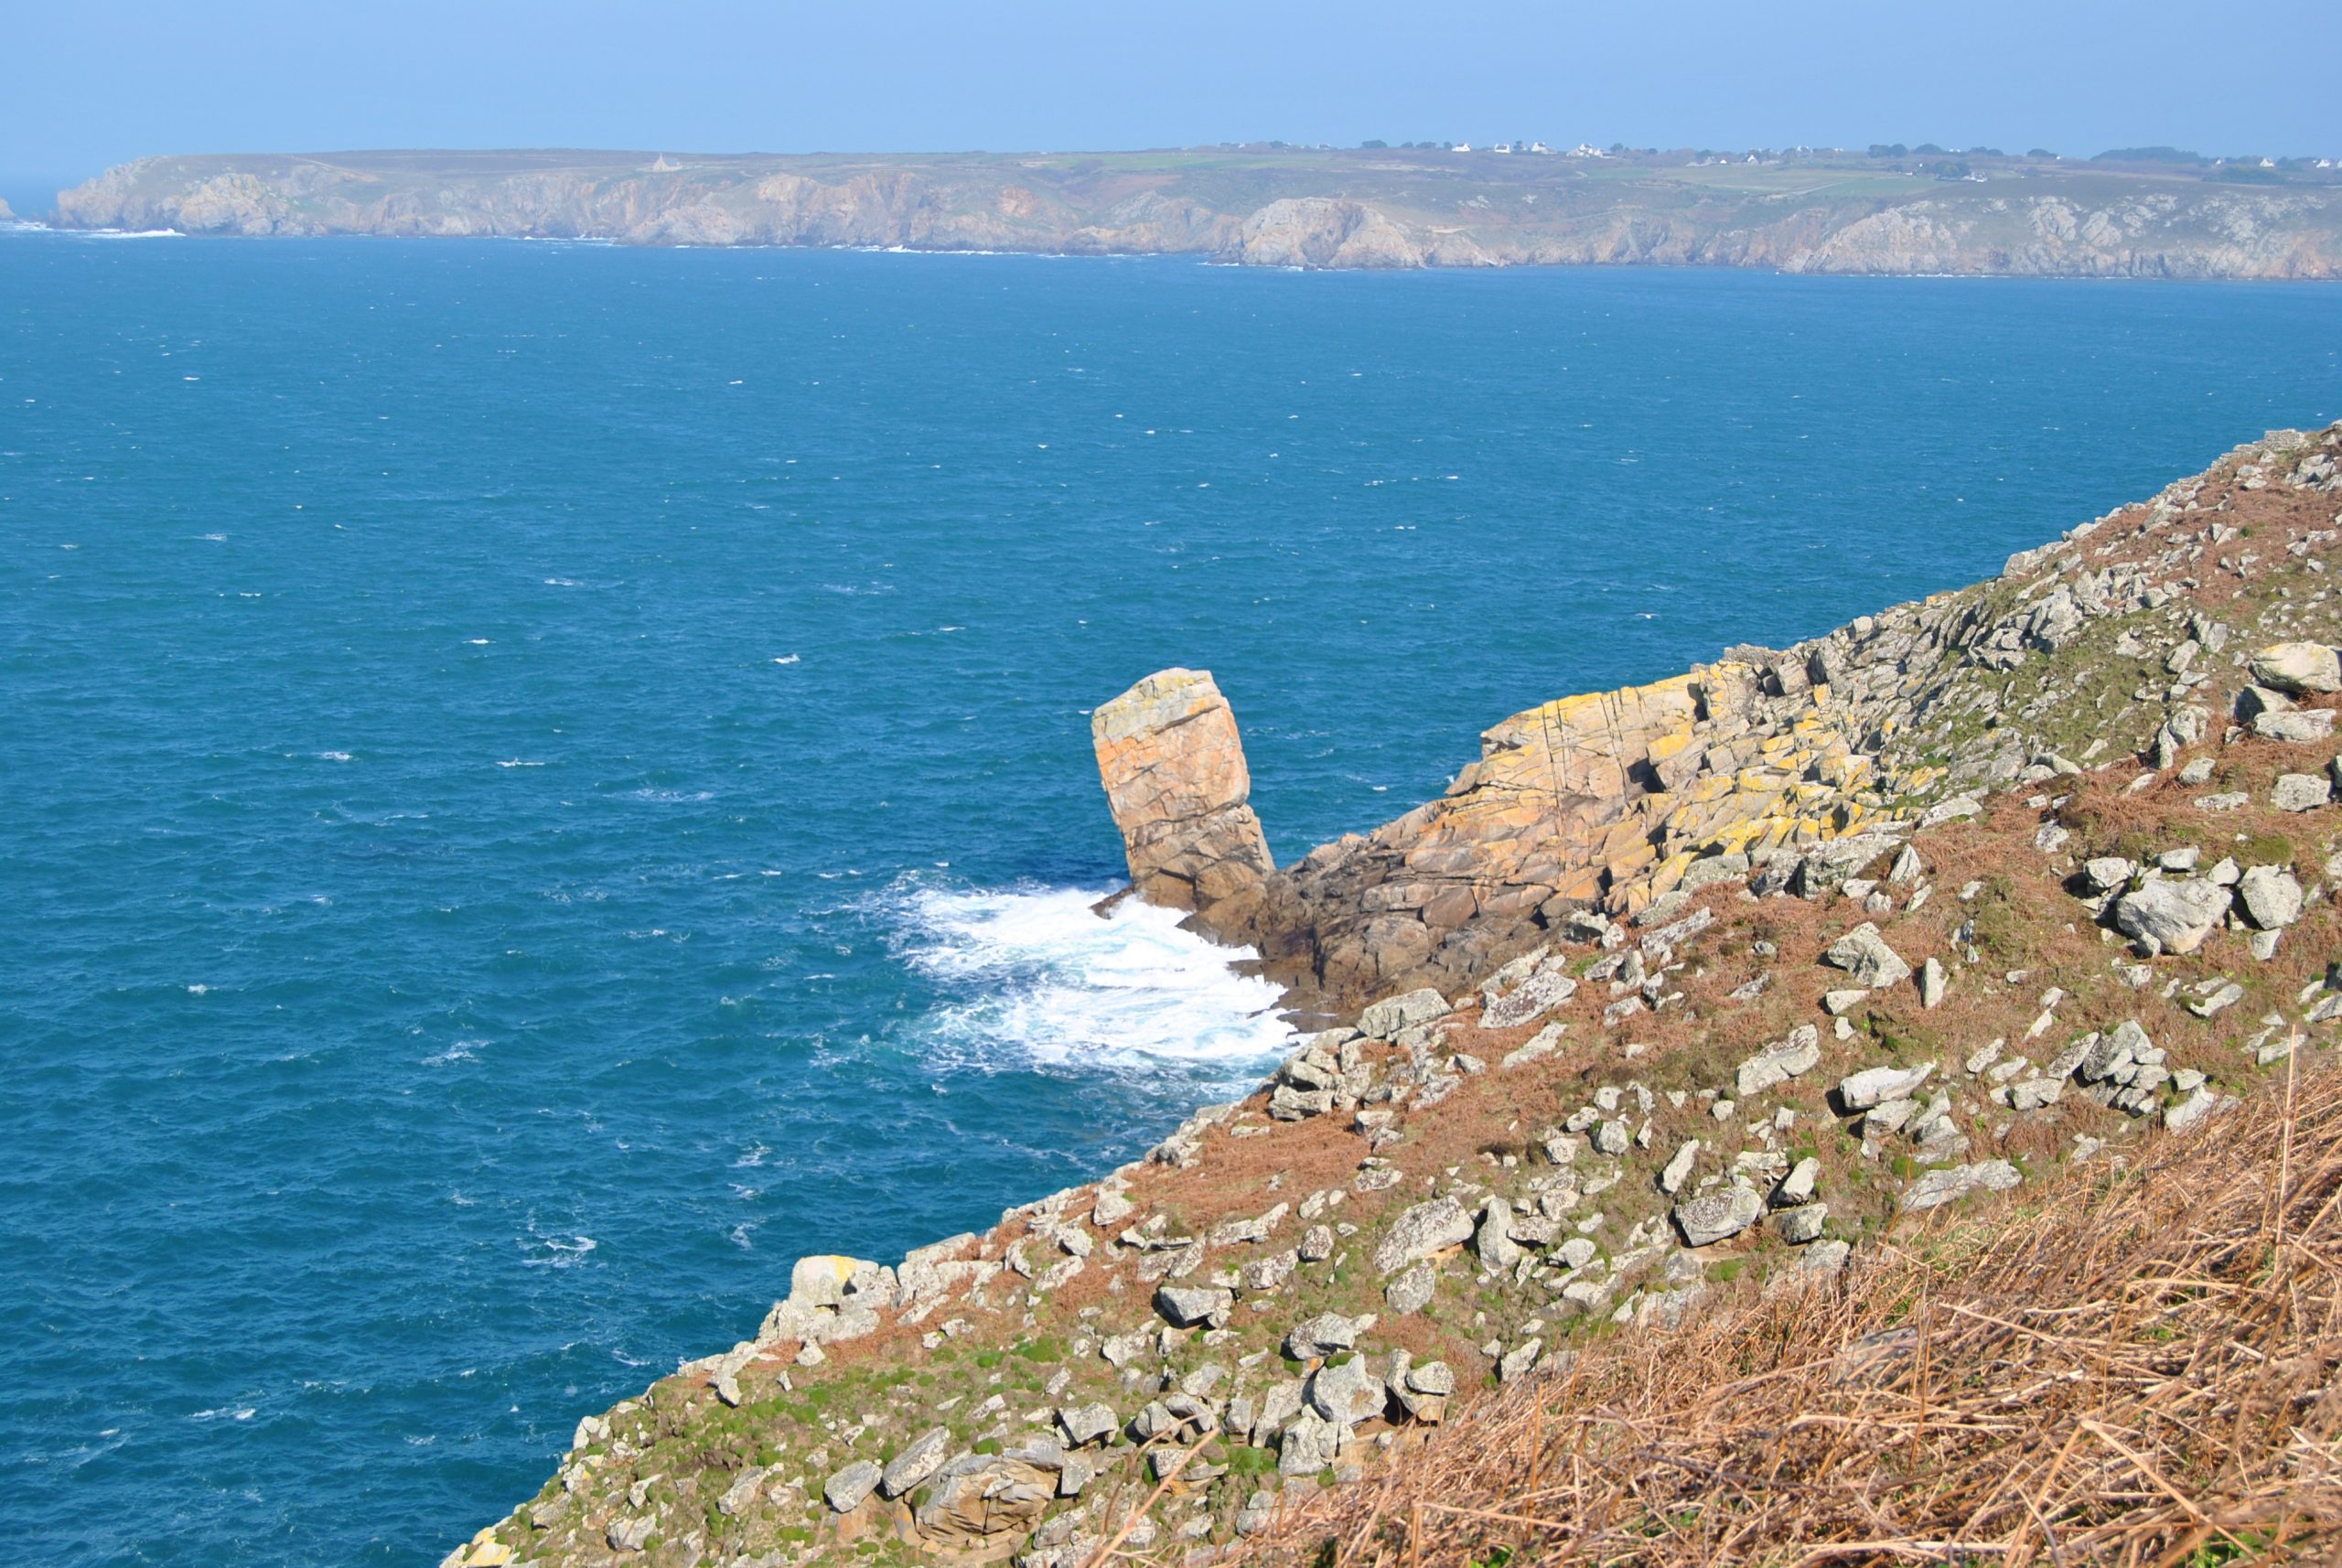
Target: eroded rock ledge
x,y
2052,877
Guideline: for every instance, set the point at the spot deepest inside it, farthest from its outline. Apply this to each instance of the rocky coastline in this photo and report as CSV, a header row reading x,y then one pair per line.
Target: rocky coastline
x,y
1292,207
1684,992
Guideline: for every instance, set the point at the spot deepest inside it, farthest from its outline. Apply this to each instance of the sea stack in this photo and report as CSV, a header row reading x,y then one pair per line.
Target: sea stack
x,y
1175,779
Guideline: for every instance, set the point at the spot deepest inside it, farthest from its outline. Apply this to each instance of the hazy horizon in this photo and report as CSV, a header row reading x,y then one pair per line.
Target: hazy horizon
x,y
98,84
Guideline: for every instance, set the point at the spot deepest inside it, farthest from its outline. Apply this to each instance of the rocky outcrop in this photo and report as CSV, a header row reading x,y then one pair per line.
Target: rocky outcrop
x,y
1286,209
1791,768
1177,782
1907,990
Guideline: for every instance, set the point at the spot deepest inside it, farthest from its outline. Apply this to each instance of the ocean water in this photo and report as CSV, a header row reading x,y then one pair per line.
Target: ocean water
x,y
543,781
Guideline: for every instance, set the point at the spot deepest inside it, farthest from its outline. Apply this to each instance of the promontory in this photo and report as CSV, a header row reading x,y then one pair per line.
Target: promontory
x,y
1879,211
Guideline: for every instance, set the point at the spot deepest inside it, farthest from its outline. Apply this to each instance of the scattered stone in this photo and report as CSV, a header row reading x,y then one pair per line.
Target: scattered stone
x,y
1778,1062
1186,1307
1531,1000
1086,1424
923,1457
1719,1216
1932,983
2299,726
2179,1118
1679,1169
1864,954
1386,1018
1541,1044
1493,1241
1423,1231
2229,800
1877,1086
1317,1244
2297,668
1838,1003
2270,897
1939,1188
1519,1361
2226,996
1943,812
1802,1224
1310,1443
2171,916
2301,791
1796,1188
845,1490
1327,1334
2108,873
1412,1291
1346,1392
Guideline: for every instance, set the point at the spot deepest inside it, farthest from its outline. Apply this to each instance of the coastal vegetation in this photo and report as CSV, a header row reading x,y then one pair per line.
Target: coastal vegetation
x,y
1858,1101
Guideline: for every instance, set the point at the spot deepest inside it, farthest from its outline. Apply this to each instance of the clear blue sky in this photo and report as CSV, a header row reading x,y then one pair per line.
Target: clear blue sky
x,y
85,83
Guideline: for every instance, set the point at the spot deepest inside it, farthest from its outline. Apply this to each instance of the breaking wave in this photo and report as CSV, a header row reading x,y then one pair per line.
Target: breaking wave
x,y
1035,975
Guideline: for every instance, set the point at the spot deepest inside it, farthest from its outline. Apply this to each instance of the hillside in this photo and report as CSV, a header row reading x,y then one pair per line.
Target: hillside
x,y
1291,206
1709,1028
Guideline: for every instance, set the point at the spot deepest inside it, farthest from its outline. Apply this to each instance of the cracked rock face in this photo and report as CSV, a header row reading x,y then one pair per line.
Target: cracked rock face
x,y
1175,778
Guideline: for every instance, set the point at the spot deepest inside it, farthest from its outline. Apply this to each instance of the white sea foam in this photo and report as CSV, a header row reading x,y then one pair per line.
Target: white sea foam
x,y
1043,979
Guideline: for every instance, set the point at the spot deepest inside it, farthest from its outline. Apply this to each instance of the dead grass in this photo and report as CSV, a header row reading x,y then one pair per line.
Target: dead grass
x,y
2122,1366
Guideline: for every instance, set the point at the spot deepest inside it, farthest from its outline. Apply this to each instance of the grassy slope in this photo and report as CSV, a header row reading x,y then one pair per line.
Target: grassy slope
x,y
1999,911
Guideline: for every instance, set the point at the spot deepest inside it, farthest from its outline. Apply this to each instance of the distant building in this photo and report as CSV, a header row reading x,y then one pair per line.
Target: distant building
x,y
1586,150
1500,147
1461,147
1541,147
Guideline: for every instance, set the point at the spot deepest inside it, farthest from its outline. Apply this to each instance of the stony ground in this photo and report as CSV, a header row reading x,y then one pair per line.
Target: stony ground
x,y
2091,912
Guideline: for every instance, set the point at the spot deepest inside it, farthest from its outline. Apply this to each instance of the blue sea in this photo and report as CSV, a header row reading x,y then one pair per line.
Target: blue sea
x,y
543,781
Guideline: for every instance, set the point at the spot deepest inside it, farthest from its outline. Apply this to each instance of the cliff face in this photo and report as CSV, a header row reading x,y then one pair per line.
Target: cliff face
x,y
1756,968
1607,805
1295,209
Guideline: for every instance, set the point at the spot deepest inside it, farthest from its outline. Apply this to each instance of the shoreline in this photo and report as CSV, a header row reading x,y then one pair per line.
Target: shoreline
x,y
1315,211
1856,889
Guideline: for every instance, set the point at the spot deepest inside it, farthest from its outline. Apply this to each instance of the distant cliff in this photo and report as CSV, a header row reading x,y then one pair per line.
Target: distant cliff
x,y
1282,207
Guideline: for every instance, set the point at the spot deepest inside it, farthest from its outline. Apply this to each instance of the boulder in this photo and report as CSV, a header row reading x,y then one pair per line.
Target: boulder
x,y
1718,1215
1173,765
1087,1424
986,1501
1327,1334
845,1490
1188,1306
1387,1017
1421,1232
1864,954
921,1459
2301,791
1542,991
2171,916
1939,1188
1877,1086
1310,1443
1346,1392
1778,1062
2301,726
2270,897
2297,668
1802,1224
1412,1291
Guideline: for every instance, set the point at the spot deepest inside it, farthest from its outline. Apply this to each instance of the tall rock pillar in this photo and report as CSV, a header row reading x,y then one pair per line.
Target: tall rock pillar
x,y
1175,779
